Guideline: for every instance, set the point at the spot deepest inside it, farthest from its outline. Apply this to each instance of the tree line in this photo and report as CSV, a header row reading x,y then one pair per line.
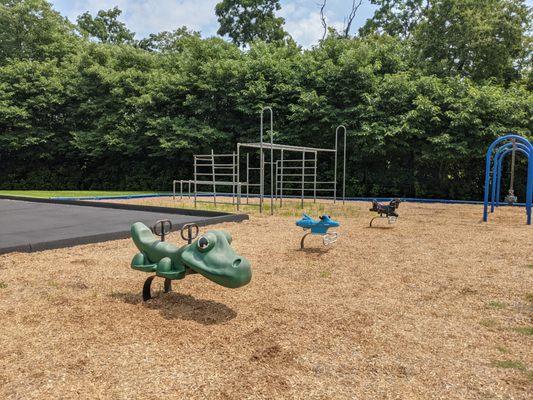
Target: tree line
x,y
423,87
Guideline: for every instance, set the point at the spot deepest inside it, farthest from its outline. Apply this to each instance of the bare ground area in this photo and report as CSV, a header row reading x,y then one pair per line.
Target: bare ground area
x,y
440,306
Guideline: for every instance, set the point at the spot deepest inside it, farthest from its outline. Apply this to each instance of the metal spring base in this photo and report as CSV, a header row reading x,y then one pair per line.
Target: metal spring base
x,y
147,287
392,219
327,239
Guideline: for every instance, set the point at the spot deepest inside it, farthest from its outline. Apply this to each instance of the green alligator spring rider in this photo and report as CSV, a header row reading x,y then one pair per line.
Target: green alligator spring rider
x,y
210,255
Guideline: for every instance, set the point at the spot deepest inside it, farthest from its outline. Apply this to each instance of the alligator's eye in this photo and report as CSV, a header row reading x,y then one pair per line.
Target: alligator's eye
x,y
203,243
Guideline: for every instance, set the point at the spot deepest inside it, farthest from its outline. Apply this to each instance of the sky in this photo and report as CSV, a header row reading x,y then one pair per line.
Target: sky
x,y
302,17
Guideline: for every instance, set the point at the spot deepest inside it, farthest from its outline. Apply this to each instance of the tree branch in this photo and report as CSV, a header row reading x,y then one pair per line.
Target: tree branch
x,y
323,19
349,19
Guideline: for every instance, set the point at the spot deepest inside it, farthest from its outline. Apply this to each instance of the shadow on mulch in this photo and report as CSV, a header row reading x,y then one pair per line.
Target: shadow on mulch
x,y
386,228
181,306
315,250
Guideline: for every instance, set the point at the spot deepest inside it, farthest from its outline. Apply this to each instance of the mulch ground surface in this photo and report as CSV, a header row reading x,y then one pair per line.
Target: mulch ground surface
x,y
437,306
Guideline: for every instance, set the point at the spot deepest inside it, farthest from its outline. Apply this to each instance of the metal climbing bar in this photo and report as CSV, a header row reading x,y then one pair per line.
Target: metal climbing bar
x,y
275,171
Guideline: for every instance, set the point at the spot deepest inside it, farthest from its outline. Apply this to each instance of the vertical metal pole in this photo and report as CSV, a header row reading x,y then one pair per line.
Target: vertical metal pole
x,y
238,196
303,177
173,190
529,187
281,180
189,195
238,174
263,158
344,171
276,183
488,159
214,182
497,196
261,166
314,177
247,178
263,162
335,171
271,162
513,159
233,171
498,158
195,182
181,190
343,163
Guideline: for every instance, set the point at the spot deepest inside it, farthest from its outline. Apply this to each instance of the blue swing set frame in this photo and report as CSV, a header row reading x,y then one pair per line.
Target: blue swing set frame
x,y
496,153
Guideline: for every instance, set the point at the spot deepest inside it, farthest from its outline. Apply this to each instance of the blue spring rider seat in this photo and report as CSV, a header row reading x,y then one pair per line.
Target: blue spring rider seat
x,y
318,227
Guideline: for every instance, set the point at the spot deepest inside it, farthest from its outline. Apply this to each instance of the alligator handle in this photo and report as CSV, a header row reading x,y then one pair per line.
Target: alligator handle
x,y
165,228
189,228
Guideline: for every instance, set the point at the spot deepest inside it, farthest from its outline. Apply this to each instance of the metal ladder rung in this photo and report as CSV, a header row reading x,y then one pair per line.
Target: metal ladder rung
x,y
210,156
211,174
298,175
307,160
216,183
220,166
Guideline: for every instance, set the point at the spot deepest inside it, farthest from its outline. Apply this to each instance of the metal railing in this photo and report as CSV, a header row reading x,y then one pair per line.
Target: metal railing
x,y
216,170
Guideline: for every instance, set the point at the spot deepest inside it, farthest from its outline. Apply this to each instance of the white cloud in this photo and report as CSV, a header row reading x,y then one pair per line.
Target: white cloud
x,y
171,14
302,17
304,24
151,16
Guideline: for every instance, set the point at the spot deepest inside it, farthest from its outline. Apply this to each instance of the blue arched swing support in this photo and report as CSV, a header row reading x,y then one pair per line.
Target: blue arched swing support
x,y
496,153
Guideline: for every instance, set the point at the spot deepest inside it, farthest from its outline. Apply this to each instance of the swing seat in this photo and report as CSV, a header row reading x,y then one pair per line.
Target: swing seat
x,y
510,199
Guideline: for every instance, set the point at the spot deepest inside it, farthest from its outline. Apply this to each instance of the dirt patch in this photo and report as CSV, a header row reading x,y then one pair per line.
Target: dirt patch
x,y
403,312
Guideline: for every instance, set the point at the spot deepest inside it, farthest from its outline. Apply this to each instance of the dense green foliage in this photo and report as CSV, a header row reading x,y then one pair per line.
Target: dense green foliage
x,y
104,114
246,21
105,27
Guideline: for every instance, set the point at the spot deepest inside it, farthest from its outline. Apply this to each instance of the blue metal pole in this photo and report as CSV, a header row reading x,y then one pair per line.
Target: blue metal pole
x,y
529,191
496,177
499,182
487,177
497,173
488,159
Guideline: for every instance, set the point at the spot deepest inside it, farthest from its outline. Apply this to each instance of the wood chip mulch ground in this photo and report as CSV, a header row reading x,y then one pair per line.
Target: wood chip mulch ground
x,y
438,306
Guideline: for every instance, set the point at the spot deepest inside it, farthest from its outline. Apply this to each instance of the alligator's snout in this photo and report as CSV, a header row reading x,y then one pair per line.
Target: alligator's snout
x,y
212,256
243,271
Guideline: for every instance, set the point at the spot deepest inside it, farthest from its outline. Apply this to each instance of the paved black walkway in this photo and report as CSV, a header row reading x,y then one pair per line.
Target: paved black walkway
x,y
39,224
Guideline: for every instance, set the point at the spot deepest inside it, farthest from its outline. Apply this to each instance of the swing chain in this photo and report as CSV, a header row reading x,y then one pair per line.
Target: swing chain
x,y
511,198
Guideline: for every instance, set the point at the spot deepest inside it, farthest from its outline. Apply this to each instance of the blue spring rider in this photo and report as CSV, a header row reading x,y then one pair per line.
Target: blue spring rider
x,y
318,227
